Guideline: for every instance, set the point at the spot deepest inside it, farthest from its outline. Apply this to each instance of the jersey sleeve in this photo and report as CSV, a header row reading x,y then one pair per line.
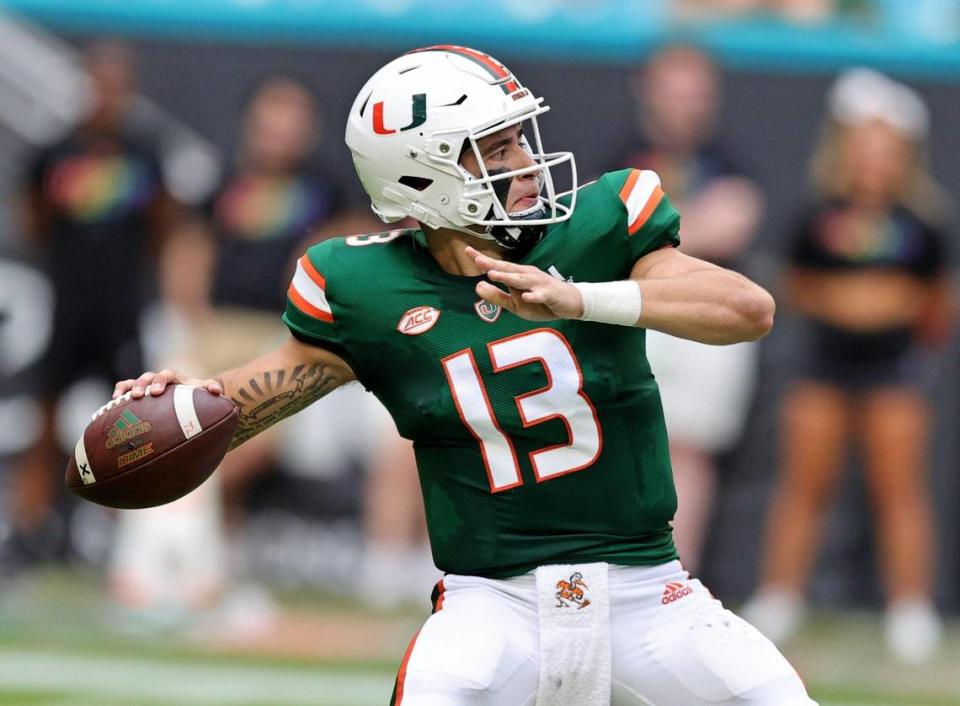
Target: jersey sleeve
x,y
310,311
649,220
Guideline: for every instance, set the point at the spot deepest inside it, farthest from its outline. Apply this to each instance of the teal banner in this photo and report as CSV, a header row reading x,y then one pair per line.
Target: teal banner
x,y
914,37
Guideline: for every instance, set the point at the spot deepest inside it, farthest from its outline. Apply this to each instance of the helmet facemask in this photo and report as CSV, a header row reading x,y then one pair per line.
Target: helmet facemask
x,y
484,200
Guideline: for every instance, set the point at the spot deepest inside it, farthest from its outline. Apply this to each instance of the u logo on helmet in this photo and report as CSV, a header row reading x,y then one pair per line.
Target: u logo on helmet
x,y
418,108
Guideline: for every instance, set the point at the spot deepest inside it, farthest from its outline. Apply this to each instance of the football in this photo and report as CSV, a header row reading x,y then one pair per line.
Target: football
x,y
153,450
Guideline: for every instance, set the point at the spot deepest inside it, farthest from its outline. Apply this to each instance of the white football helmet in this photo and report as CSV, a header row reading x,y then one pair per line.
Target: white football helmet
x,y
410,124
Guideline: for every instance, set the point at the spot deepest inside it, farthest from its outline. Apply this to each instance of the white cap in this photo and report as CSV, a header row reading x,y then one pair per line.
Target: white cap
x,y
861,94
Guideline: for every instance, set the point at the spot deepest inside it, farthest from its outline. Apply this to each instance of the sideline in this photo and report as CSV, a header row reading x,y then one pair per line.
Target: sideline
x,y
139,680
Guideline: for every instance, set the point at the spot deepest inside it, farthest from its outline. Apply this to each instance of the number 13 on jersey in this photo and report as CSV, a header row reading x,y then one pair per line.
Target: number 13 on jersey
x,y
562,398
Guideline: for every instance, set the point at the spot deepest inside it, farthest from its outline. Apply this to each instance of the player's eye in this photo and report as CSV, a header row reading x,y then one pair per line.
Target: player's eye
x,y
497,155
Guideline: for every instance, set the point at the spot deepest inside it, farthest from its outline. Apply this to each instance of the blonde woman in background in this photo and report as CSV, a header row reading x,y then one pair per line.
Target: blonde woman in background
x,y
867,274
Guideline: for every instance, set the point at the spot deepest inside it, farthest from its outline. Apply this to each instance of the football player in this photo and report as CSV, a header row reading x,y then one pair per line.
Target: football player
x,y
506,337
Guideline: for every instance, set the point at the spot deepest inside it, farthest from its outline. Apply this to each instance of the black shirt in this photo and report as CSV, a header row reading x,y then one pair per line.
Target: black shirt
x,y
260,222
97,193
834,237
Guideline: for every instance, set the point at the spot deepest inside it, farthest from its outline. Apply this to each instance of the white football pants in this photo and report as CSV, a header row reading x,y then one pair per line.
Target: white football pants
x,y
671,645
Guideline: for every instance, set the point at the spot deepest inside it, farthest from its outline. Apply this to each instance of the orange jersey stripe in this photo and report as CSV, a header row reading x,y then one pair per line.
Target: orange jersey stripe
x,y
312,272
308,308
647,211
628,186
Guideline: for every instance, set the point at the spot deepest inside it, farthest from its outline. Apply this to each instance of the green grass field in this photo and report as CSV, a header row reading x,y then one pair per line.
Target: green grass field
x,y
61,644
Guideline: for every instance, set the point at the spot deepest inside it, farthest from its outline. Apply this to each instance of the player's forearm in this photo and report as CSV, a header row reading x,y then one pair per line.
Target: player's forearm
x,y
714,306
279,384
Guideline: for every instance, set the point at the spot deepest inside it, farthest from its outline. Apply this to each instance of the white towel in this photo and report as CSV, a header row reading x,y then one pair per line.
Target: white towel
x,y
573,606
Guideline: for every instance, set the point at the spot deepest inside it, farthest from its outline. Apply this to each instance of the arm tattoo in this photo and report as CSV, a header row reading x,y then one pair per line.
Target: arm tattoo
x,y
266,400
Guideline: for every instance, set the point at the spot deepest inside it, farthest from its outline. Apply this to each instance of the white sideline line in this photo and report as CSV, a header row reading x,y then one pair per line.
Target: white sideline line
x,y
184,683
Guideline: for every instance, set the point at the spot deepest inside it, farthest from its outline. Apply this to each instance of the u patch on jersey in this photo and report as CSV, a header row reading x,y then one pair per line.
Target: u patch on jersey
x,y
487,311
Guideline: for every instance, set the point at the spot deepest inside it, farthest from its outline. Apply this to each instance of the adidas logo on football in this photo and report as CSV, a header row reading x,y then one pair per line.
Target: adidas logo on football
x,y
674,592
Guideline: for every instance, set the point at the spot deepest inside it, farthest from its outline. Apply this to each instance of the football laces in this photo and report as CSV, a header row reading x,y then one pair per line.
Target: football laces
x,y
112,404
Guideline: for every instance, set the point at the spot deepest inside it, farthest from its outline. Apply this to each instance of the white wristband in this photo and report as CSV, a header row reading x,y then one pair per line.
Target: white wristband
x,y
611,302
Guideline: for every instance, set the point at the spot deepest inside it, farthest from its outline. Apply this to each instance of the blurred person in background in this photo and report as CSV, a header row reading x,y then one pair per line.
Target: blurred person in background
x,y
867,274
706,390
271,201
96,209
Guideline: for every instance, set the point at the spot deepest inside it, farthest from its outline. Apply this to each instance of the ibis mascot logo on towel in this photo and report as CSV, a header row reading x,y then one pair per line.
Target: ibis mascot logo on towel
x,y
573,592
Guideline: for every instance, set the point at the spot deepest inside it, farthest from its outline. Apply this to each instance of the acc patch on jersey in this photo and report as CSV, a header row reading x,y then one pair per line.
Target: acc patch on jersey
x,y
418,320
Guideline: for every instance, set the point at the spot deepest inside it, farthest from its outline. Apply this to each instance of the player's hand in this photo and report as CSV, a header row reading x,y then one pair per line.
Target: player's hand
x,y
532,293
155,383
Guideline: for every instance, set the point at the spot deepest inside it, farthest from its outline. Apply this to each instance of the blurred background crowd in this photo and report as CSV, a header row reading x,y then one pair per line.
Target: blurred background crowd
x,y
158,183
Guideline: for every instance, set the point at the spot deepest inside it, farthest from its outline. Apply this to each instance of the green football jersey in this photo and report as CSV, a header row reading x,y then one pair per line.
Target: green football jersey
x,y
536,442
